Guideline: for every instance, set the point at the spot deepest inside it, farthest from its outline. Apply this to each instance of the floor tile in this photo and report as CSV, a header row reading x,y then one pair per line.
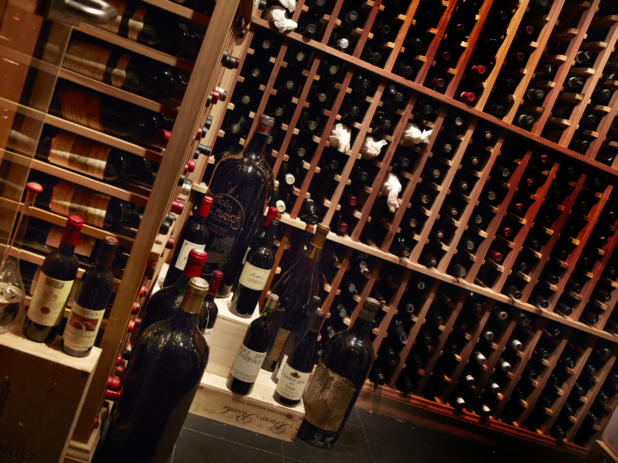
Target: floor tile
x,y
352,447
354,418
195,447
232,433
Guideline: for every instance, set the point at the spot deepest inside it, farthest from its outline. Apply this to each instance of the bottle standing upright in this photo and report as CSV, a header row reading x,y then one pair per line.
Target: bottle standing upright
x,y
93,292
338,380
295,290
241,187
167,365
54,285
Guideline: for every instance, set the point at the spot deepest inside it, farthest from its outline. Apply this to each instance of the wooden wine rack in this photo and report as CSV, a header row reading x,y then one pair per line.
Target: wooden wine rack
x,y
485,277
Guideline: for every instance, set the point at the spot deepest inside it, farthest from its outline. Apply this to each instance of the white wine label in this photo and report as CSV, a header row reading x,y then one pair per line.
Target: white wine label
x,y
79,154
253,277
86,59
84,246
82,328
284,362
280,339
81,107
208,333
68,199
247,365
114,26
48,301
183,255
136,23
119,74
327,398
292,383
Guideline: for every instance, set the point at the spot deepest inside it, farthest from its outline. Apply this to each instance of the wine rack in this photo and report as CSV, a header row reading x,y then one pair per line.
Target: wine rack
x,y
564,186
147,247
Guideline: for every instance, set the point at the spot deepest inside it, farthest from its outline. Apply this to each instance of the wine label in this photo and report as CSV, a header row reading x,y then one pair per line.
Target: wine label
x,y
183,255
327,399
68,199
136,23
114,26
86,59
208,333
79,154
253,277
292,383
48,301
82,328
81,107
280,339
247,365
119,74
225,223
84,245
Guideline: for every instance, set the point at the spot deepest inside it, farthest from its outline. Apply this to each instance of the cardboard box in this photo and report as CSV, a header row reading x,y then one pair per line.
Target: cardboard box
x,y
42,391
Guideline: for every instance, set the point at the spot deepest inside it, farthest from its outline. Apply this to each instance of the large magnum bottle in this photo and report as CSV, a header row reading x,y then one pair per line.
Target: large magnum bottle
x,y
241,187
54,286
338,380
165,371
295,290
93,292
163,304
193,236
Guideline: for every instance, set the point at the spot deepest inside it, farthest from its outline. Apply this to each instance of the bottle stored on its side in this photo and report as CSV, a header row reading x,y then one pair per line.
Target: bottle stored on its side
x,y
295,289
241,187
295,371
93,292
166,367
193,236
255,274
253,349
54,285
338,380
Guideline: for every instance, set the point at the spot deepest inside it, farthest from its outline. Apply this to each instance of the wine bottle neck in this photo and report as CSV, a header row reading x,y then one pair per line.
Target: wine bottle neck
x,y
256,148
192,303
361,327
66,249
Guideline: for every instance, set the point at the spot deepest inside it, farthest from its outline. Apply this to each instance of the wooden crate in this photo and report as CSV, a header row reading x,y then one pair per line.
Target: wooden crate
x,y
257,412
41,395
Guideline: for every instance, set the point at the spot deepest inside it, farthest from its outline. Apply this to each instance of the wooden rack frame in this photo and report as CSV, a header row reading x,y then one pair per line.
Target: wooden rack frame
x,y
485,277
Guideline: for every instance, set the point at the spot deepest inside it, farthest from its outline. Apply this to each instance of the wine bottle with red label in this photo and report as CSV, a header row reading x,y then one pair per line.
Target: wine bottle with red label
x,y
255,274
241,187
93,292
193,236
53,286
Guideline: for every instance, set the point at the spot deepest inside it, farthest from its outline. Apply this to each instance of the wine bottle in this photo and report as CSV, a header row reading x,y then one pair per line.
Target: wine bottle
x,y
164,303
255,274
54,286
253,349
295,290
193,236
93,292
135,74
338,380
295,371
109,115
163,377
208,317
158,29
241,186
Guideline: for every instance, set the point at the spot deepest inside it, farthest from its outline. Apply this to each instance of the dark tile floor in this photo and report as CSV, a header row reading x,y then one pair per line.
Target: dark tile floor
x,y
367,438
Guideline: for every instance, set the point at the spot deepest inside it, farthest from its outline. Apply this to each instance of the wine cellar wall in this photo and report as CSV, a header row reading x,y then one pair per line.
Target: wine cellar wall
x,y
495,269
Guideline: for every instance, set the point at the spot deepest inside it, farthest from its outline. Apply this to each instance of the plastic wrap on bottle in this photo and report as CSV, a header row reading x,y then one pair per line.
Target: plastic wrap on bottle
x,y
276,16
371,147
414,136
340,137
